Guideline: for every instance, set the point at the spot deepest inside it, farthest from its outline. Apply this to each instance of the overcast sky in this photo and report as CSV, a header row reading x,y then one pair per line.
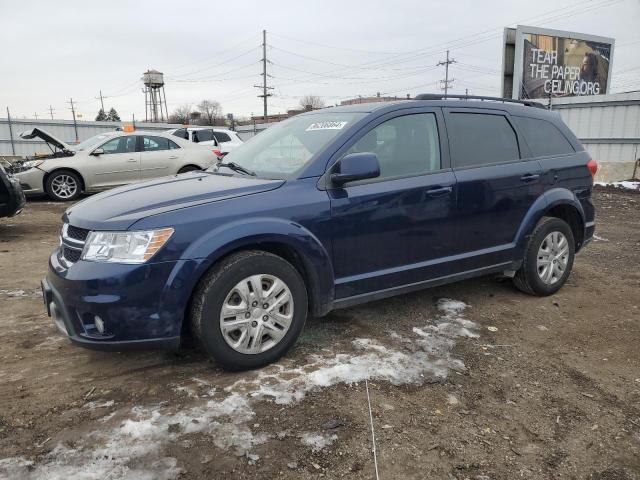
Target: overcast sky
x,y
54,50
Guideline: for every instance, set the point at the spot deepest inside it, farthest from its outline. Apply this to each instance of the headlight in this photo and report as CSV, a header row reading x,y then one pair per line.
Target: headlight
x,y
24,166
124,247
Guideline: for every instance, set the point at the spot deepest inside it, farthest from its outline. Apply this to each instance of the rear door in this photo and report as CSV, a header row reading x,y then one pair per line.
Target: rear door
x,y
119,164
395,229
159,156
497,184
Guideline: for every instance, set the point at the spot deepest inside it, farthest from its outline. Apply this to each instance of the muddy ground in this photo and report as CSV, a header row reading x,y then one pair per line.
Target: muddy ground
x,y
533,388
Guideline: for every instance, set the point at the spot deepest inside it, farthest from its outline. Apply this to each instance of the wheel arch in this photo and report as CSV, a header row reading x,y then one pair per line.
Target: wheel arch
x,y
47,175
560,203
286,239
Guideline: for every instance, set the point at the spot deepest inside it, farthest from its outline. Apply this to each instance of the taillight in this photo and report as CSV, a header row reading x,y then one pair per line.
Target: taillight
x,y
218,153
593,167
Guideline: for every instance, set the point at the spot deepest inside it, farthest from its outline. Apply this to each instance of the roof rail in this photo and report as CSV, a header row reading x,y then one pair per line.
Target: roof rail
x,y
437,96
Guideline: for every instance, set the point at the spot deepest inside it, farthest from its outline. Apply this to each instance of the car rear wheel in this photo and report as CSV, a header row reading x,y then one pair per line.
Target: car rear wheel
x,y
249,310
63,185
548,259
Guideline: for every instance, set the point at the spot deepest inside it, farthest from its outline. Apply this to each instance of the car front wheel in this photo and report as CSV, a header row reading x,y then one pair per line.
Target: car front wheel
x,y
63,185
548,259
249,310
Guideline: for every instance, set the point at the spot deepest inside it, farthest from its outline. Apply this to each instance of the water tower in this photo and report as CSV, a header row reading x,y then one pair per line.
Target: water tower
x,y
155,97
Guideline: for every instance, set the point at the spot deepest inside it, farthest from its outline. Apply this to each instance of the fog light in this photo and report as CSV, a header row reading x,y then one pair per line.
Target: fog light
x,y
99,324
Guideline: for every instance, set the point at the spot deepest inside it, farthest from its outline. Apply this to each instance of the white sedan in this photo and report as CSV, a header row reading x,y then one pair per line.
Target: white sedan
x,y
106,161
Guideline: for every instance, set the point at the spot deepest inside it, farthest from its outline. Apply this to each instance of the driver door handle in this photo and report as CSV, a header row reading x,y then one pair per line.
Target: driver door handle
x,y
132,160
529,177
173,157
437,191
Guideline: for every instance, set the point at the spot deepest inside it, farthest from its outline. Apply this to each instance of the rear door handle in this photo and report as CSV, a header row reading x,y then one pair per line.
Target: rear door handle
x,y
529,177
132,160
437,191
173,157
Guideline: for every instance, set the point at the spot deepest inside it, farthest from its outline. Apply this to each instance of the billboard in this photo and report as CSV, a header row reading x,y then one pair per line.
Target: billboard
x,y
553,63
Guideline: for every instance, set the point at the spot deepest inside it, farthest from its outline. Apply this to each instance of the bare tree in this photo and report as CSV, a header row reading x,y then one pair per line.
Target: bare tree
x,y
311,102
181,114
209,110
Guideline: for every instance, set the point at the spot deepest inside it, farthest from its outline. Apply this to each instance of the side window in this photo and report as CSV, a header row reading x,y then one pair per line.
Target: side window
x,y
544,138
181,133
407,145
154,144
173,145
125,144
479,139
202,135
222,137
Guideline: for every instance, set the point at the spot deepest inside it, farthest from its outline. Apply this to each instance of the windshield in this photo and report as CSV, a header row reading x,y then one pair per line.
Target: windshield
x,y
286,147
88,143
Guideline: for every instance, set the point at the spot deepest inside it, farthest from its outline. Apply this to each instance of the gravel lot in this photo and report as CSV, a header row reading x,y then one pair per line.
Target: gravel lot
x,y
490,384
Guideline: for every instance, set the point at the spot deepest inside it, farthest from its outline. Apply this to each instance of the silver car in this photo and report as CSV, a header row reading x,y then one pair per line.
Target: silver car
x,y
106,161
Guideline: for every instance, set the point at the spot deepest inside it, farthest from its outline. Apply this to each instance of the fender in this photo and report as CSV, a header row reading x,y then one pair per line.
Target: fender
x,y
544,203
243,233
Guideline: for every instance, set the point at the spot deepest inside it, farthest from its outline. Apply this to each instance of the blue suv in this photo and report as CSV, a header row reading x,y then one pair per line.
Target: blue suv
x,y
328,209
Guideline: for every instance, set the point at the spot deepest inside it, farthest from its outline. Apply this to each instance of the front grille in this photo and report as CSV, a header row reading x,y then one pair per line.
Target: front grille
x,y
77,233
71,255
72,240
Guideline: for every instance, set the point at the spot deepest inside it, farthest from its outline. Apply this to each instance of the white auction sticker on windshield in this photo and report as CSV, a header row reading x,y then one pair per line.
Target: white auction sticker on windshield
x,y
326,126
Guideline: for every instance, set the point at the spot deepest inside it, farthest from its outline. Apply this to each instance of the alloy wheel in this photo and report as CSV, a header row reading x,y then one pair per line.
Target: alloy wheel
x,y
553,257
64,186
256,314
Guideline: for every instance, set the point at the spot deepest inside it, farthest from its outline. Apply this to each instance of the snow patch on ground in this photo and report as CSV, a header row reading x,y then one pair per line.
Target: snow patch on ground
x,y
134,448
628,185
317,441
18,293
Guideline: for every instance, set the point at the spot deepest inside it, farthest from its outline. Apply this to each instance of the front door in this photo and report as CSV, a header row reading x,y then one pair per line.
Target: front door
x,y
395,230
119,164
496,185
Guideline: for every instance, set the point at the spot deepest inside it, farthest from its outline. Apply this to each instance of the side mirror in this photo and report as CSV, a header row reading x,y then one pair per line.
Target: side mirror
x,y
356,166
97,151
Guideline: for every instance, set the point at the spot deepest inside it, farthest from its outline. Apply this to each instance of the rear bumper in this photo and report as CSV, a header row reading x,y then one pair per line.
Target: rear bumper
x,y
139,306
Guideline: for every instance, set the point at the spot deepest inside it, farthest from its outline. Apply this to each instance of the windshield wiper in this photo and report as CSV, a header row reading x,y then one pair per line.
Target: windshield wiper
x,y
236,168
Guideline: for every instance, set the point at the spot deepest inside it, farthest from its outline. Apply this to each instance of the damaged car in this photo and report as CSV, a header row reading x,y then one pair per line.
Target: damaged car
x,y
11,197
105,161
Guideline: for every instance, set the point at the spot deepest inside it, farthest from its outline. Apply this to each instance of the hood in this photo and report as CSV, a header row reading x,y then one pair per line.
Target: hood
x,y
120,208
46,136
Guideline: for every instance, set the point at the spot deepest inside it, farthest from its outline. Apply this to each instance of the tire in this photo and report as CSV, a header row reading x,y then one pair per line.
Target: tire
x,y
63,185
542,278
220,288
188,168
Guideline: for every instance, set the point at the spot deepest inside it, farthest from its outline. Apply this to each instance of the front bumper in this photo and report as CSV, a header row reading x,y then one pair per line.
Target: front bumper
x,y
31,181
140,306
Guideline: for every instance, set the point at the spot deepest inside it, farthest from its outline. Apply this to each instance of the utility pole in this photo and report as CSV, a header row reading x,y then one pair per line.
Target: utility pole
x,y
445,83
75,124
13,147
264,86
35,115
51,111
101,100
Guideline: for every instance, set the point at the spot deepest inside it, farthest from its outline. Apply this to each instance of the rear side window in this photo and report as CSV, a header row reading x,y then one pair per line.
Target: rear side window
x,y
202,135
544,138
153,144
479,139
182,133
222,137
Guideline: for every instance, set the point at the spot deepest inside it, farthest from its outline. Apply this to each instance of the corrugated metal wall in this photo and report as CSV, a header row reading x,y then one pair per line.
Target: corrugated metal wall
x,y
607,125
62,129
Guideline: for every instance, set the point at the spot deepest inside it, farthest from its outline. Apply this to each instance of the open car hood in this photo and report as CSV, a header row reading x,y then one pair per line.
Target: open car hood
x,y
47,137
